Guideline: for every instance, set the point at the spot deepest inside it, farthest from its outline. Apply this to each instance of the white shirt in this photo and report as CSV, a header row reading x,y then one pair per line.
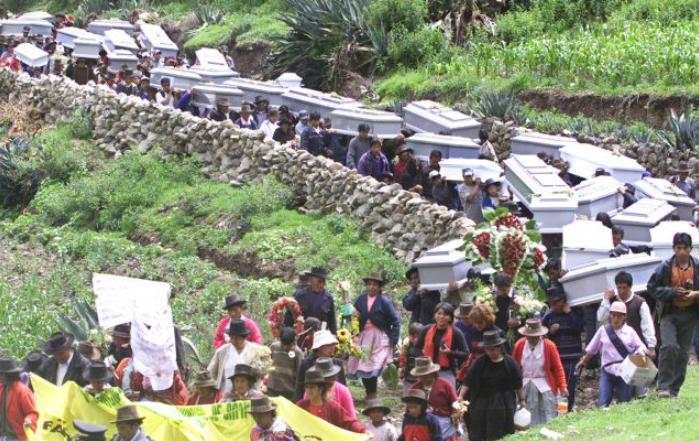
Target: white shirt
x,y
268,127
534,366
160,98
234,358
62,370
647,327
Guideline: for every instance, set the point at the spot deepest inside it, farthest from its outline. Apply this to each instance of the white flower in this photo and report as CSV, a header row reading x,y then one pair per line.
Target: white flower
x,y
344,286
292,354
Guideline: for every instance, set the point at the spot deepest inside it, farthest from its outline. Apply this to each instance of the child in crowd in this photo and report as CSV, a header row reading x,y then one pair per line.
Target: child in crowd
x,y
379,427
418,425
206,392
286,358
440,396
464,324
408,354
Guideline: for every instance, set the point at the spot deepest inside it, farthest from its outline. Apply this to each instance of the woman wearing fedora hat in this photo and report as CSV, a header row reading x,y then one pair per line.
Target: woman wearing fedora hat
x,y
379,332
17,408
235,306
98,375
440,395
492,384
243,380
329,410
542,371
268,426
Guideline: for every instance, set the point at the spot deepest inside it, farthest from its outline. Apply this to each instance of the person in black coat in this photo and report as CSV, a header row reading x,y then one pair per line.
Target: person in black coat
x,y
316,301
65,364
285,132
312,137
419,302
222,111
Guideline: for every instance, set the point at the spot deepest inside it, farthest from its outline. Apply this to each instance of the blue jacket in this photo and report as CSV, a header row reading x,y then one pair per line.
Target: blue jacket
x,y
312,141
421,308
383,315
325,312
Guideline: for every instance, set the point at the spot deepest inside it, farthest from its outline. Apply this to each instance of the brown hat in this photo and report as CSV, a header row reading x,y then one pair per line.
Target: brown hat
x,y
376,403
245,108
203,379
123,330
233,300
127,414
261,405
243,370
88,350
533,328
376,277
59,342
464,309
424,366
418,395
682,167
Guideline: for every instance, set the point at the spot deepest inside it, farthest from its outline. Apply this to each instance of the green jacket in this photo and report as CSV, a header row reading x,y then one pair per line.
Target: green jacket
x,y
659,284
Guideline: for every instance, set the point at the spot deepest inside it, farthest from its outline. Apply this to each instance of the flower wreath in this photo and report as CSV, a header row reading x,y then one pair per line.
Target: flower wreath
x,y
275,319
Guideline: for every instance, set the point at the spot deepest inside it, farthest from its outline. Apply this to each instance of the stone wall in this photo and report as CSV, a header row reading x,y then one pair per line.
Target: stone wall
x,y
403,221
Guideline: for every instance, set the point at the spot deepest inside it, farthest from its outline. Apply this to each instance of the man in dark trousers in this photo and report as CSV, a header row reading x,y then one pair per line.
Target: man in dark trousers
x,y
419,302
316,301
675,286
65,364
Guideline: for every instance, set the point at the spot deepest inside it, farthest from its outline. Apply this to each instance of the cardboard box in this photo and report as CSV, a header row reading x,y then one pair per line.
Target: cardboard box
x,y
637,370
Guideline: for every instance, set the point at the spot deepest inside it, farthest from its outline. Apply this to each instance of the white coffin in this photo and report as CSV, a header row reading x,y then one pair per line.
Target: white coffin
x,y
179,78
638,219
584,159
272,92
381,124
429,116
531,143
31,55
597,195
206,95
439,269
314,101
121,57
154,38
87,48
482,168
211,59
67,36
16,27
290,80
586,284
116,39
542,191
450,146
661,189
99,27
585,241
661,237
36,15
215,76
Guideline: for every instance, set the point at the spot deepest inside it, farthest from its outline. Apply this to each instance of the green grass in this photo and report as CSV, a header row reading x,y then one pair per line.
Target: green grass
x,y
645,419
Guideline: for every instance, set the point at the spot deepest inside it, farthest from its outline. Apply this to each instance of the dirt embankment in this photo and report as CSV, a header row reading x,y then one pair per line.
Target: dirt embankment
x,y
651,109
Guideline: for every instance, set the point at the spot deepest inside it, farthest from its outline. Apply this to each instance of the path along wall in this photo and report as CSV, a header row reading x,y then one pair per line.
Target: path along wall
x,y
401,220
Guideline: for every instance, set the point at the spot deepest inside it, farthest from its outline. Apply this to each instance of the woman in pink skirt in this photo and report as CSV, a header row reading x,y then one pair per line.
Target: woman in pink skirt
x,y
379,332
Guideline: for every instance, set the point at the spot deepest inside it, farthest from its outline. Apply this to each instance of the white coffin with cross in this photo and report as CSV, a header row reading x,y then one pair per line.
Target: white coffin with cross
x,y
452,168
36,15
15,27
120,58
429,116
272,92
585,284
31,55
99,27
539,188
584,159
314,101
179,78
661,237
450,146
664,190
87,47
290,80
442,265
116,39
206,95
638,219
382,124
598,195
531,143
215,76
154,38
585,241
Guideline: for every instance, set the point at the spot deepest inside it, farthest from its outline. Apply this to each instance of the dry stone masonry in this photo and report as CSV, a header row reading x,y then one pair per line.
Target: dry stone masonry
x,y
401,220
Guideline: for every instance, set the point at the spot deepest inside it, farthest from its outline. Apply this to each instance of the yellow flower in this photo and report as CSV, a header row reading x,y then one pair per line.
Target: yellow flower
x,y
343,335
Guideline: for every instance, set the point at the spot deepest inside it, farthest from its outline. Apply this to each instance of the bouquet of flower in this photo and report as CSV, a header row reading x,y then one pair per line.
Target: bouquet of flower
x,y
346,346
484,296
100,338
275,319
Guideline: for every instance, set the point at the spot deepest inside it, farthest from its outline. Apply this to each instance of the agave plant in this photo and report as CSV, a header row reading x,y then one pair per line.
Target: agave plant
x,y
86,323
19,180
684,131
495,104
209,15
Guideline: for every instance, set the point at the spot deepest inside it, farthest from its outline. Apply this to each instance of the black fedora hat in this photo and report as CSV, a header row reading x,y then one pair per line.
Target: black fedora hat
x,y
233,300
34,361
555,293
376,404
327,367
321,273
313,376
97,372
8,365
122,331
237,327
415,395
489,182
492,338
58,342
243,370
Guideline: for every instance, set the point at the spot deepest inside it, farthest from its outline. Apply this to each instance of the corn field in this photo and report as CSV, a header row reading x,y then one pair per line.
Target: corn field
x,y
617,54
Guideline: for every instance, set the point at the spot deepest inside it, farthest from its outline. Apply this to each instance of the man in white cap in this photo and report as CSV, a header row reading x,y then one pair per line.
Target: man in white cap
x,y
471,196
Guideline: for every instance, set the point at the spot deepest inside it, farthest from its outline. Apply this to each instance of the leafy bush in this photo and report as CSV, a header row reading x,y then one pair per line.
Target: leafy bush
x,y
658,10
411,49
19,179
502,105
684,131
390,14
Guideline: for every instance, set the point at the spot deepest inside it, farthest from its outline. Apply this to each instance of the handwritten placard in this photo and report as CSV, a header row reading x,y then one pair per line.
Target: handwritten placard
x,y
118,298
153,346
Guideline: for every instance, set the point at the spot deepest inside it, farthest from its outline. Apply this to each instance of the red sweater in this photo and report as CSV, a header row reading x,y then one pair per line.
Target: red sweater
x,y
20,406
442,395
176,394
555,374
219,335
192,401
335,415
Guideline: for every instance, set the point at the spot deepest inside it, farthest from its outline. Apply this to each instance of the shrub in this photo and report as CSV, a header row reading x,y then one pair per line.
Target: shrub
x,y
658,10
19,179
412,49
390,14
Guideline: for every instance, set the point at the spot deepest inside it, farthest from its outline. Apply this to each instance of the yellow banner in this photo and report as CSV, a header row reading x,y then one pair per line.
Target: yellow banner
x,y
59,406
